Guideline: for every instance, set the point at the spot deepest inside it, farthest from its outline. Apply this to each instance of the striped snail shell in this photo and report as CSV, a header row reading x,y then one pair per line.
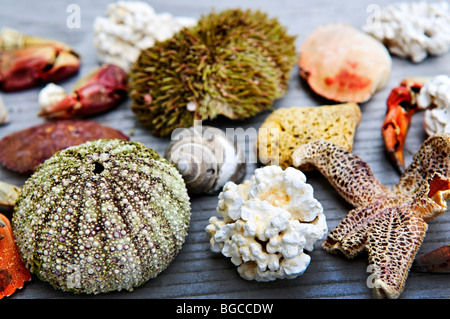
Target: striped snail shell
x,y
206,159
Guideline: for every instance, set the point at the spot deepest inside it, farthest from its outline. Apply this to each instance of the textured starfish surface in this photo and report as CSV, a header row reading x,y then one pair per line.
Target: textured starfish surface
x,y
389,222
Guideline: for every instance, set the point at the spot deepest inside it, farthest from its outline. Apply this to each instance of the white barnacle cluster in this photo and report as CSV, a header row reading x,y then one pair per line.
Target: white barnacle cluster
x,y
129,27
434,96
268,222
50,94
106,215
413,29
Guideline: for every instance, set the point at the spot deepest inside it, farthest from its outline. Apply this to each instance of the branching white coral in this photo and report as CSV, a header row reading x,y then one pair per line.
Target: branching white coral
x,y
130,26
434,96
267,223
413,29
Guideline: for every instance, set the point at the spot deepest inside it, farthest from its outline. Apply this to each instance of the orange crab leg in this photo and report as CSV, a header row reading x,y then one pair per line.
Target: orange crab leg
x,y
13,273
401,106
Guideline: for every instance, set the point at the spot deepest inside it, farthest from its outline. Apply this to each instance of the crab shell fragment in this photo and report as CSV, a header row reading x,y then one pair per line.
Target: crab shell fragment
x,y
13,273
27,61
25,150
102,89
344,64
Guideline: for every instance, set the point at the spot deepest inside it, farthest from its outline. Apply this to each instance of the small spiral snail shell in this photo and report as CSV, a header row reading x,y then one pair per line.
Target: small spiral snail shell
x,y
206,158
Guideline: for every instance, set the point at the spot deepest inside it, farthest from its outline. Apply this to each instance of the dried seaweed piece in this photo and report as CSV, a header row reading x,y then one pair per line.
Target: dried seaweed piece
x,y
25,150
390,223
234,63
344,64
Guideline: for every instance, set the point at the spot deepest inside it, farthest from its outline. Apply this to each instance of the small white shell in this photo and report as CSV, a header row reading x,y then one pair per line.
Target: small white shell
x,y
4,117
206,158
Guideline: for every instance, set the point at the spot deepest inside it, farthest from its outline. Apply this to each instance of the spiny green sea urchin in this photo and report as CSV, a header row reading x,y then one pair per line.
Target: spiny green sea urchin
x,y
102,216
234,63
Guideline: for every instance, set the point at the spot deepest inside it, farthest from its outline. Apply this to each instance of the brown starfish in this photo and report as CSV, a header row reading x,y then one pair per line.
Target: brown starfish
x,y
390,223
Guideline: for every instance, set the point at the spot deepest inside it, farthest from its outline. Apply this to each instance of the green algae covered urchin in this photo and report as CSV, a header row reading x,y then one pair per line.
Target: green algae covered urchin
x,y
234,63
102,216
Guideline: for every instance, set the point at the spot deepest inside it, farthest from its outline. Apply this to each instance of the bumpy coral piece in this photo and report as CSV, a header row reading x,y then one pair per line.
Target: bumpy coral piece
x,y
13,273
434,97
413,29
234,63
390,223
132,26
25,150
102,216
344,64
287,128
267,223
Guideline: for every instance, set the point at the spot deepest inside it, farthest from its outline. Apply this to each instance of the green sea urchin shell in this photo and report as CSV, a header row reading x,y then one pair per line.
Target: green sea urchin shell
x,y
234,63
106,215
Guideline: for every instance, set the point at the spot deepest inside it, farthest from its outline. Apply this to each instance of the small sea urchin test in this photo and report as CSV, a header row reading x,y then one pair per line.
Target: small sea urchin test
x,y
234,63
106,215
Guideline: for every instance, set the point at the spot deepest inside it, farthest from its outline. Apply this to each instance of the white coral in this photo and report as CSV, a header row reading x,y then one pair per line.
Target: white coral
x,y
129,27
434,96
413,29
267,223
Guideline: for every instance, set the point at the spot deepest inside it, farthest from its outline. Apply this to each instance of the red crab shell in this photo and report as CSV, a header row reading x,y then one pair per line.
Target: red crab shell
x,y
101,90
437,260
27,61
13,273
344,64
25,150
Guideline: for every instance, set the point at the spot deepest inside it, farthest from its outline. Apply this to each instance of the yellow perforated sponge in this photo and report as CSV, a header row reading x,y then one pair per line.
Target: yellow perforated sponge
x,y
287,128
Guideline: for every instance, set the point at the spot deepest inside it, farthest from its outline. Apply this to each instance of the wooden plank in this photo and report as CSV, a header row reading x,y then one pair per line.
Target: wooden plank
x,y
197,272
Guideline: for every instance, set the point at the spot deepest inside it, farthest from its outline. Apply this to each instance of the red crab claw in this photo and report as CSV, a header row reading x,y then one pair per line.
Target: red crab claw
x,y
401,106
13,273
437,260
101,90
27,61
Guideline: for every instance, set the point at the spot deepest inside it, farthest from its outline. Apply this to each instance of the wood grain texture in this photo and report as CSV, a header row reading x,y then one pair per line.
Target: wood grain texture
x,y
197,272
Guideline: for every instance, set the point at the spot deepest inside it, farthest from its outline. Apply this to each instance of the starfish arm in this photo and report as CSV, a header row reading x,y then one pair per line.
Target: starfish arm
x,y
392,244
350,236
432,158
347,173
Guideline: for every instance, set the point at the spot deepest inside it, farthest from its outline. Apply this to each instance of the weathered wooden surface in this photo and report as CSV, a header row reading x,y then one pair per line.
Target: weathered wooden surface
x,y
197,272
